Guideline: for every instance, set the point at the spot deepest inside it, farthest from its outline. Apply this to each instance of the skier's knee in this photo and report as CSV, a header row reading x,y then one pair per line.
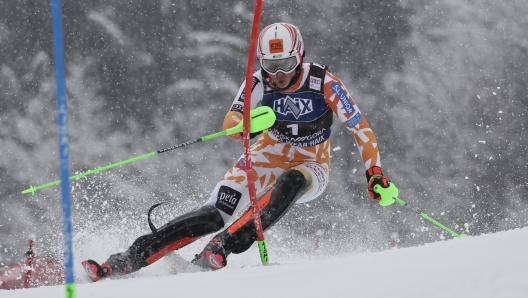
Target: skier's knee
x,y
316,180
306,174
290,186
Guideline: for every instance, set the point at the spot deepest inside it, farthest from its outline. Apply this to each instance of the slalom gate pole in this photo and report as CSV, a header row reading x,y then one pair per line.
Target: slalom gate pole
x,y
263,118
388,197
62,121
247,152
29,265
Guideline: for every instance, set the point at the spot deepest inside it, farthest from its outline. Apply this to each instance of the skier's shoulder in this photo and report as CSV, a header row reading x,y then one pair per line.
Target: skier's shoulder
x,y
257,77
315,66
322,69
315,76
318,70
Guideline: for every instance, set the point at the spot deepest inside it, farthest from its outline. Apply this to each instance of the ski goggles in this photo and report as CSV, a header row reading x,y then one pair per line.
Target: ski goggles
x,y
274,66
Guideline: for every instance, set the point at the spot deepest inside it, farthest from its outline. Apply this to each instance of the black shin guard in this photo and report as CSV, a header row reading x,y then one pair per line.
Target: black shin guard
x,y
192,225
289,188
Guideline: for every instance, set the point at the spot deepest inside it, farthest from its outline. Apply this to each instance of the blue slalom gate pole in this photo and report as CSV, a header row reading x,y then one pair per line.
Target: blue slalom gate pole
x,y
64,164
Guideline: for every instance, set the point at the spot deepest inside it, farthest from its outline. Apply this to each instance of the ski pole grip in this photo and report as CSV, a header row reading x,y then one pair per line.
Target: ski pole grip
x,y
388,194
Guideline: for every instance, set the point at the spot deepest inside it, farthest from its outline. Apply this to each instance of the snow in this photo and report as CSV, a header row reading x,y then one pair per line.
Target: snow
x,y
489,265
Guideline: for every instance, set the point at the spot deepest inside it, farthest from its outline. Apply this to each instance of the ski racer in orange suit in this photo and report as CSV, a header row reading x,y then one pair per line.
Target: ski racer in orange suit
x,y
291,160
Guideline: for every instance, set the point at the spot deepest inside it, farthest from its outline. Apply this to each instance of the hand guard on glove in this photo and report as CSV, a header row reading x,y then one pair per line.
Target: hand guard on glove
x,y
233,118
252,135
375,176
388,191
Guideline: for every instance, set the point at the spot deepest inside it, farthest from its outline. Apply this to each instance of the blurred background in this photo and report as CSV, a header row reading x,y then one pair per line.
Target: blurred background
x,y
442,83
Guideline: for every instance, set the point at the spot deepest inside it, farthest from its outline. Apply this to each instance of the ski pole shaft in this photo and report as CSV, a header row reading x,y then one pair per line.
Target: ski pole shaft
x,y
390,194
263,118
33,189
409,206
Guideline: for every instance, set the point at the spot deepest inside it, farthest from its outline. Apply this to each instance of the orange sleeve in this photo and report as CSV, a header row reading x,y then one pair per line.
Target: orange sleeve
x,y
367,144
231,120
342,104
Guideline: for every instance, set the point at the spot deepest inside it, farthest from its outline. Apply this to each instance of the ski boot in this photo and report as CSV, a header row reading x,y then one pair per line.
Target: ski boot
x,y
213,257
96,271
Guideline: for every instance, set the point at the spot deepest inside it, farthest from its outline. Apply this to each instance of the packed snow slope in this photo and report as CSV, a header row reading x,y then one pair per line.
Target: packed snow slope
x,y
491,265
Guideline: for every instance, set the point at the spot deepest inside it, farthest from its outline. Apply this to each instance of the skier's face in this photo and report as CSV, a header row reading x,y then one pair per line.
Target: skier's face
x,y
282,80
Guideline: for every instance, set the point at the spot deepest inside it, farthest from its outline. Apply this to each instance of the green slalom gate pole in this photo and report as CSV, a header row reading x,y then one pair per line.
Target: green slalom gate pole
x,y
262,118
389,195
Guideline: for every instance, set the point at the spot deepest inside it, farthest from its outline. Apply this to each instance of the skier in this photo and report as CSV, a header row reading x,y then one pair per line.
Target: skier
x,y
290,161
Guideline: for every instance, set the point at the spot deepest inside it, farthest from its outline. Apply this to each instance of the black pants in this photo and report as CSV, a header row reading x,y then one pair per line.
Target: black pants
x,y
237,238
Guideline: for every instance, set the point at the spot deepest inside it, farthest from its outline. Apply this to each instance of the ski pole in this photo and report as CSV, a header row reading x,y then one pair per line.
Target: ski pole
x,y
389,195
262,118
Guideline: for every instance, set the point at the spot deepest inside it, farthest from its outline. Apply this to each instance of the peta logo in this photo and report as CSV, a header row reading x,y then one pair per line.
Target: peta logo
x,y
227,199
295,106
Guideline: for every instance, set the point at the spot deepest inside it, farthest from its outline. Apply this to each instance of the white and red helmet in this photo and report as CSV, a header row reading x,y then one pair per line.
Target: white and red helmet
x,y
280,48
